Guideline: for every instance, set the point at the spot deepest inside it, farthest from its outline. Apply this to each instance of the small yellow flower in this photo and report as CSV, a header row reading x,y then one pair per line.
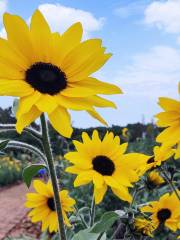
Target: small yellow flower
x,y
165,211
170,119
104,163
144,226
161,154
154,179
52,72
43,206
125,132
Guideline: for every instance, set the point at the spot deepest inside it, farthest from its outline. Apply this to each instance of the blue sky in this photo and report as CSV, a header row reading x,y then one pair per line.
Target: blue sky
x,y
144,37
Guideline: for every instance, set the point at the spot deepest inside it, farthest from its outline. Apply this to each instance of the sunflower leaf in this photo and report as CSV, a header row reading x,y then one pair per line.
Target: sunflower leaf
x,y
85,235
30,171
106,221
3,144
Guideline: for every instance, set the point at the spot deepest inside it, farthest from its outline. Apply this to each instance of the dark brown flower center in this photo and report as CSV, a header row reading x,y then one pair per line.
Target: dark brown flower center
x,y
51,204
103,165
46,78
163,214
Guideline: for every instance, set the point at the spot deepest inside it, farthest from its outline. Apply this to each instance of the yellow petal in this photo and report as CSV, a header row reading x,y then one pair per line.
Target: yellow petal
x,y
16,88
110,181
26,119
8,53
77,92
79,55
99,193
46,103
101,102
97,86
122,193
170,135
26,103
98,180
60,120
167,118
41,36
73,103
96,115
18,35
169,104
41,188
64,44
83,178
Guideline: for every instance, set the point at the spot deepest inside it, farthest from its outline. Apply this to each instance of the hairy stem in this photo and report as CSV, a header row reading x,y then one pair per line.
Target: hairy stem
x,y
52,172
92,213
168,180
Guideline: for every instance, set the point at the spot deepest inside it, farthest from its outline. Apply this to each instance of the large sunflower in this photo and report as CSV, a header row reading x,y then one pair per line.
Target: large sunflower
x,y
166,211
43,207
104,163
170,119
51,72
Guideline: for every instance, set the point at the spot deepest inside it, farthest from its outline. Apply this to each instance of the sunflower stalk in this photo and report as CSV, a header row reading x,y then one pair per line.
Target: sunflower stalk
x,y
170,182
92,212
52,171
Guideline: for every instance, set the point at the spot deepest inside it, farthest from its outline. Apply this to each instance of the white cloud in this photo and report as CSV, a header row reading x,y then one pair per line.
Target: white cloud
x,y
60,18
164,15
127,10
152,74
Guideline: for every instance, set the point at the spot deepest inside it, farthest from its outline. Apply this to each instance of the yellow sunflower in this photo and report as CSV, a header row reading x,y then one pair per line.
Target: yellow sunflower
x,y
125,132
154,179
170,119
161,154
166,211
51,72
144,226
43,206
104,163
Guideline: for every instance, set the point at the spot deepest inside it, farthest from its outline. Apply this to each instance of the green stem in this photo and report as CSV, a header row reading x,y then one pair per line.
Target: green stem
x,y
82,219
52,172
92,213
170,182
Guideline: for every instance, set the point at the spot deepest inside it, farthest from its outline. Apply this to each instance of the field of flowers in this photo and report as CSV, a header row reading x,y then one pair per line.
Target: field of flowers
x,y
101,184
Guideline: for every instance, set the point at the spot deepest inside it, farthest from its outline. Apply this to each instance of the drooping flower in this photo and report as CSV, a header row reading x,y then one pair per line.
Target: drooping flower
x,y
125,132
51,72
154,180
144,226
161,154
170,119
166,211
43,206
104,163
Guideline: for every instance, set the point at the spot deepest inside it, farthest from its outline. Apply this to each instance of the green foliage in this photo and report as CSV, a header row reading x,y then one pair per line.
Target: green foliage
x,y
31,171
10,171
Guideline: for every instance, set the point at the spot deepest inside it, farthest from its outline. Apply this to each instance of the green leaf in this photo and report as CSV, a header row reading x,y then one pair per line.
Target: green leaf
x,y
30,171
85,235
105,223
3,144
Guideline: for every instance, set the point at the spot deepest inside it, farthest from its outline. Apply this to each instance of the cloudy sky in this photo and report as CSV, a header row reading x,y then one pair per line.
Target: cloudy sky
x,y
144,37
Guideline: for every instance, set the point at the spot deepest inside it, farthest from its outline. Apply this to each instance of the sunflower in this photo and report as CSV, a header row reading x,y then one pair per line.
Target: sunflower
x,y
104,163
51,72
125,132
170,119
43,206
166,211
160,154
144,226
154,179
